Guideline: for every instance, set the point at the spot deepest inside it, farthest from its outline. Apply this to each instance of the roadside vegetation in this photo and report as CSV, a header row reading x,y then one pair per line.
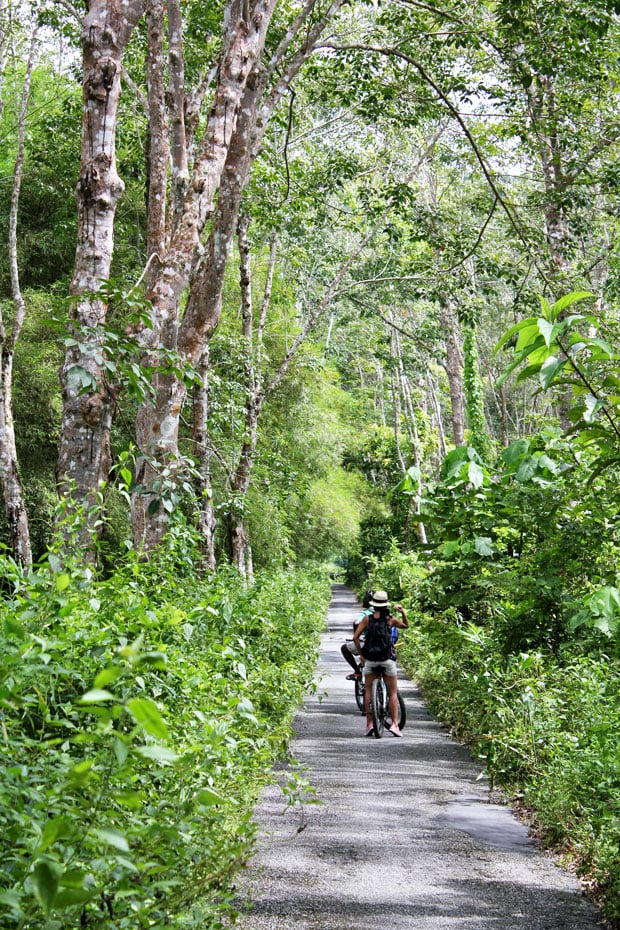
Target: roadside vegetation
x,y
515,641
287,284
140,717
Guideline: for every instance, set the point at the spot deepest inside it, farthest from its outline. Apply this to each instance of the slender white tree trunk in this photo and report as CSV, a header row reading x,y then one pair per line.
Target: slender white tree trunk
x,y
10,482
239,118
454,370
84,458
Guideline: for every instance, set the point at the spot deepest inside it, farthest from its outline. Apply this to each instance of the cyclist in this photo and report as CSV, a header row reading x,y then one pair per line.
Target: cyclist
x,y
348,649
381,613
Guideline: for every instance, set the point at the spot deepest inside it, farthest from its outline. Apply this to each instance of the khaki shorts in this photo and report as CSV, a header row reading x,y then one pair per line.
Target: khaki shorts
x,y
388,666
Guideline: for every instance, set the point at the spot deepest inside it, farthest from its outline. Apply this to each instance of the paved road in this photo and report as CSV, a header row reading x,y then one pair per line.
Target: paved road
x,y
405,838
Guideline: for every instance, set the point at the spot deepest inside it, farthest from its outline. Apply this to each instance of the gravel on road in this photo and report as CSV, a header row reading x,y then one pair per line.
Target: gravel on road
x,y
406,835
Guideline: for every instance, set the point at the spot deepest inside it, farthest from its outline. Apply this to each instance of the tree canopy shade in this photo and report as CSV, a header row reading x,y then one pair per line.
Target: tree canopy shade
x,y
413,176
324,282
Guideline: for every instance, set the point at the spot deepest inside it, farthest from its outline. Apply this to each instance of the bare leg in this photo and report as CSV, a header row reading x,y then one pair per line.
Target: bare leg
x,y
348,655
391,683
368,680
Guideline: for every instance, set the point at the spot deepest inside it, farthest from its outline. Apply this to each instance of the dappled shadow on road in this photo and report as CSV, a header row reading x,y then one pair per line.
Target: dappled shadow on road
x,y
403,834
474,905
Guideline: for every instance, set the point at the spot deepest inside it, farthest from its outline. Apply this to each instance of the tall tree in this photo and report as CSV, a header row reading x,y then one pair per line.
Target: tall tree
x,y
246,97
88,397
10,482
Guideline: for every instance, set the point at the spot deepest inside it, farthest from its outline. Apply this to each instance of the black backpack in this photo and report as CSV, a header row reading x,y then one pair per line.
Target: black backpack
x,y
378,643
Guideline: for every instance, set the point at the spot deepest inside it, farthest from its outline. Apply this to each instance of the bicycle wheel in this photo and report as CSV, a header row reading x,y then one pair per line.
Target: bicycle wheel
x,y
359,694
377,706
402,713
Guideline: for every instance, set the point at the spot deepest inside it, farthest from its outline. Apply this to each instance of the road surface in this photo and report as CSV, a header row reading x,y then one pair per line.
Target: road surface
x,y
406,836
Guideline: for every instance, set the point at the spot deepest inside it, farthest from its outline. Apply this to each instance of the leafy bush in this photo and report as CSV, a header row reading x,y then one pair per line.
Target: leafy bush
x,y
545,728
140,717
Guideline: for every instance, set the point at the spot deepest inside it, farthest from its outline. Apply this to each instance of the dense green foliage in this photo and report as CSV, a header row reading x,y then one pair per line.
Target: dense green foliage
x,y
516,638
140,716
445,167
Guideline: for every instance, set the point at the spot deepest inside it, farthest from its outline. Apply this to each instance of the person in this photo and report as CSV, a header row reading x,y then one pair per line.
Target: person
x,y
381,613
348,649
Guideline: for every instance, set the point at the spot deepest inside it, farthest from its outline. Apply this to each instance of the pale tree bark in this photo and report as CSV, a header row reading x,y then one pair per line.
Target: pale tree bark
x,y
3,31
454,369
436,408
84,457
158,146
157,424
10,482
240,119
412,429
203,454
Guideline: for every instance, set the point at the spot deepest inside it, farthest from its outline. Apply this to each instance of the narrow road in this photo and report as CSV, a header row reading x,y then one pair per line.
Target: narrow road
x,y
405,836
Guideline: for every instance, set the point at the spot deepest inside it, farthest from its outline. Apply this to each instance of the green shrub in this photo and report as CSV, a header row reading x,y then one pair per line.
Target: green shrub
x,y
140,716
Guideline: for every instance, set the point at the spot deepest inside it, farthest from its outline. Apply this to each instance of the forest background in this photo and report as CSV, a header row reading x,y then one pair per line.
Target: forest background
x,y
287,289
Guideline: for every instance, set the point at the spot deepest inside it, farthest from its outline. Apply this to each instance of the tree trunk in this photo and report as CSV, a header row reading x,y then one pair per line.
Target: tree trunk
x,y
243,114
10,483
454,370
84,457
204,490
157,425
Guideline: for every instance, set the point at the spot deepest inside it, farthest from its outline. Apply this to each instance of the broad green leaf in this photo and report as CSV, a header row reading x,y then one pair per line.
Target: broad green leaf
x,y
121,750
45,883
96,695
546,330
483,545
112,837
530,321
207,797
157,754
105,677
475,474
147,715
568,300
515,451
450,548
62,582
66,897
547,310
529,336
527,469
53,830
590,406
549,369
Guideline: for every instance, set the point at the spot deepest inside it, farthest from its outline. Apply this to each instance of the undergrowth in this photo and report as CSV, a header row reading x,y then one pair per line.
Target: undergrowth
x,y
544,724
139,717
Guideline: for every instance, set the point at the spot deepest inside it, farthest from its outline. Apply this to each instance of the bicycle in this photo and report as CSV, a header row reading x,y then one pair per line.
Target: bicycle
x,y
379,703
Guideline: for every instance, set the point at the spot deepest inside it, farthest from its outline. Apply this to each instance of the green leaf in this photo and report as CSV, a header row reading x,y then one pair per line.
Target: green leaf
x,y
515,451
108,675
549,369
483,545
475,474
450,548
207,797
568,300
546,330
524,324
590,406
62,582
112,837
147,716
53,830
530,336
45,883
157,754
96,695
